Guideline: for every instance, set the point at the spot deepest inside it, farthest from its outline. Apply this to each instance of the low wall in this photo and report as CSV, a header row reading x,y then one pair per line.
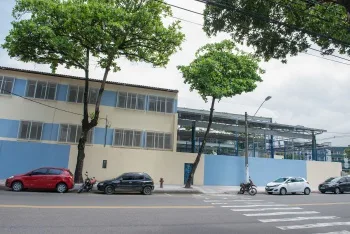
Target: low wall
x,y
318,172
230,171
165,164
17,157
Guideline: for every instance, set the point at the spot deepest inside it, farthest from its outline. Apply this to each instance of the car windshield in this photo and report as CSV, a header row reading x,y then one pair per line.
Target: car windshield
x,y
280,180
334,180
329,179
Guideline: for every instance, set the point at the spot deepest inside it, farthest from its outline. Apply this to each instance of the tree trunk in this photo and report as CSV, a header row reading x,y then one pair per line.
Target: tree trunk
x,y
86,125
201,149
78,174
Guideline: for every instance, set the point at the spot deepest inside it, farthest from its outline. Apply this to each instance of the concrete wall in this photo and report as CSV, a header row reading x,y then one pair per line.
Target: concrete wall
x,y
169,165
230,171
21,157
318,172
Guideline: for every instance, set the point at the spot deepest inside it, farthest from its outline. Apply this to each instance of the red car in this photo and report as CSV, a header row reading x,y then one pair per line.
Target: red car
x,y
59,179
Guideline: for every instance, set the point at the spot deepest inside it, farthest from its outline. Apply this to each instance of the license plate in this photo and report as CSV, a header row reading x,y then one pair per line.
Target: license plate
x,y
321,187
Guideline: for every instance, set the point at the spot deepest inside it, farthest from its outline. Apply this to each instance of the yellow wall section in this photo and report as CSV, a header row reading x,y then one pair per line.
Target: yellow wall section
x,y
318,172
169,165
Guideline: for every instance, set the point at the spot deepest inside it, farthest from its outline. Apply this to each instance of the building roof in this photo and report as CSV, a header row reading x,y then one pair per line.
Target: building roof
x,y
235,123
82,78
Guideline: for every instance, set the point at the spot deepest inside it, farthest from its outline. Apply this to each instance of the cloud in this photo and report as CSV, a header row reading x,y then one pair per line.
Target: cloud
x,y
307,91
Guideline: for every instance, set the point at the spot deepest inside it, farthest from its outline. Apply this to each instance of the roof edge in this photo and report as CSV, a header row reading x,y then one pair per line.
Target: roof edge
x,y
82,78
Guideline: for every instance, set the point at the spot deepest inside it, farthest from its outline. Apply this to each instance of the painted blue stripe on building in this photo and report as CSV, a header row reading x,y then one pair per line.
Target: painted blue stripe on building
x,y
20,87
109,98
9,128
99,136
50,132
21,157
61,94
175,106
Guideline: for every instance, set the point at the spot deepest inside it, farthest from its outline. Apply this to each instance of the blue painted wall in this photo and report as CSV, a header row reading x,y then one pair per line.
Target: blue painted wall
x,y
230,171
223,170
61,94
99,136
20,87
50,132
9,128
264,170
21,157
109,98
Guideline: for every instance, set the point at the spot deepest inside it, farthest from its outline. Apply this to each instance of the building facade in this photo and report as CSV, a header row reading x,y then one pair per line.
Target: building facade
x,y
46,108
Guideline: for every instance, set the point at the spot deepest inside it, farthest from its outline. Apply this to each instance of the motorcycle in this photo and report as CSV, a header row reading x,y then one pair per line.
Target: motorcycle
x,y
248,187
88,184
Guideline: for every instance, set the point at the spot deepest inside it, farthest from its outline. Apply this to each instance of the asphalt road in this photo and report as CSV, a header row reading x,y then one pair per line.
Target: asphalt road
x,y
36,212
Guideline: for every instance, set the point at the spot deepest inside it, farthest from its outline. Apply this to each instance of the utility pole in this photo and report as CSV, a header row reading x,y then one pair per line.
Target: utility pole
x,y
246,148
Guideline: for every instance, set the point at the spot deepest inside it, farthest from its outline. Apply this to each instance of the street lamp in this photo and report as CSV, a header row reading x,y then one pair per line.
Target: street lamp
x,y
246,139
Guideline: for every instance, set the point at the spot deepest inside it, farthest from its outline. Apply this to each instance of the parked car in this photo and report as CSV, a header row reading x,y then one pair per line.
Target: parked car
x,y
335,185
50,178
128,182
286,185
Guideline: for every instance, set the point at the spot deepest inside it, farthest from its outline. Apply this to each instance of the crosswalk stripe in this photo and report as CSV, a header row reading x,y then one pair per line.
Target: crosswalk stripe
x,y
340,232
316,225
270,208
297,219
259,205
282,213
232,200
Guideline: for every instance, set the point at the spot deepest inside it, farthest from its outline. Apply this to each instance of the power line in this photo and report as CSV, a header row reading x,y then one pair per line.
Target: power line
x,y
326,58
181,8
188,21
43,104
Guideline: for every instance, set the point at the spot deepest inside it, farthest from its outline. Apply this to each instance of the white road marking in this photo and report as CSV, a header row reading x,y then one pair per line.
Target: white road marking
x,y
232,200
219,203
297,219
340,232
270,208
283,213
168,194
259,205
316,225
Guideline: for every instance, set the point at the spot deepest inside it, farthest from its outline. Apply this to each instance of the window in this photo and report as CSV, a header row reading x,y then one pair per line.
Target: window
x,y
41,171
128,177
160,104
41,89
131,101
76,94
6,85
71,133
138,177
30,130
158,140
300,180
54,172
129,138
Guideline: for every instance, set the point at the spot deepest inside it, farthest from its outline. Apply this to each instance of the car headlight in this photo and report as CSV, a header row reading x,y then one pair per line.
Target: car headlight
x,y
10,177
100,184
274,185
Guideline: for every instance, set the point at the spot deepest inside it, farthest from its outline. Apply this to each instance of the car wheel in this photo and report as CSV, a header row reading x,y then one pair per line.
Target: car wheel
x,y
269,193
307,191
323,192
109,190
147,190
17,186
337,190
283,191
61,188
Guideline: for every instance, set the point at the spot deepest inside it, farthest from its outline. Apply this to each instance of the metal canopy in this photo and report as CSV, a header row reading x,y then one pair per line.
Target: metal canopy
x,y
235,123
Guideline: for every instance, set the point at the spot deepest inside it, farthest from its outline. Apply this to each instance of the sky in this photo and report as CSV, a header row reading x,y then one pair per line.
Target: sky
x,y
306,91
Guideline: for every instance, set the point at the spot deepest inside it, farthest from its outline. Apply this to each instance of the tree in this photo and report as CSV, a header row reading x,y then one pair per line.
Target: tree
x,y
347,153
278,28
72,32
219,71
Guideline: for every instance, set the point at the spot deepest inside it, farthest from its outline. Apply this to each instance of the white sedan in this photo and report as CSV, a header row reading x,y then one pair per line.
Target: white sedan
x,y
286,185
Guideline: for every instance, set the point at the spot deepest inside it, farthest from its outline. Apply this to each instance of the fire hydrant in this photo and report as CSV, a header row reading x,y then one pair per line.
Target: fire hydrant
x,y
161,181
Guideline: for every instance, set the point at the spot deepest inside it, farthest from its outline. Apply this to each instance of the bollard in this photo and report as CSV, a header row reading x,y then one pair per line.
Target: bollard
x,y
161,181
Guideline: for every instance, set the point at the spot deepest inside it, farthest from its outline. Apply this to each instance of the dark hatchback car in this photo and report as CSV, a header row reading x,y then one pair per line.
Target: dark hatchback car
x,y
128,182
335,185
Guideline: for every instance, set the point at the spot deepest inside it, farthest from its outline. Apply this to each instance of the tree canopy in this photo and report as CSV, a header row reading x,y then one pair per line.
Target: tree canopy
x,y
278,28
221,70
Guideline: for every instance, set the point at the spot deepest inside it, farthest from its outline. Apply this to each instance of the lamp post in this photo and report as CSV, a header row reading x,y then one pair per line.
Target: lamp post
x,y
246,138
